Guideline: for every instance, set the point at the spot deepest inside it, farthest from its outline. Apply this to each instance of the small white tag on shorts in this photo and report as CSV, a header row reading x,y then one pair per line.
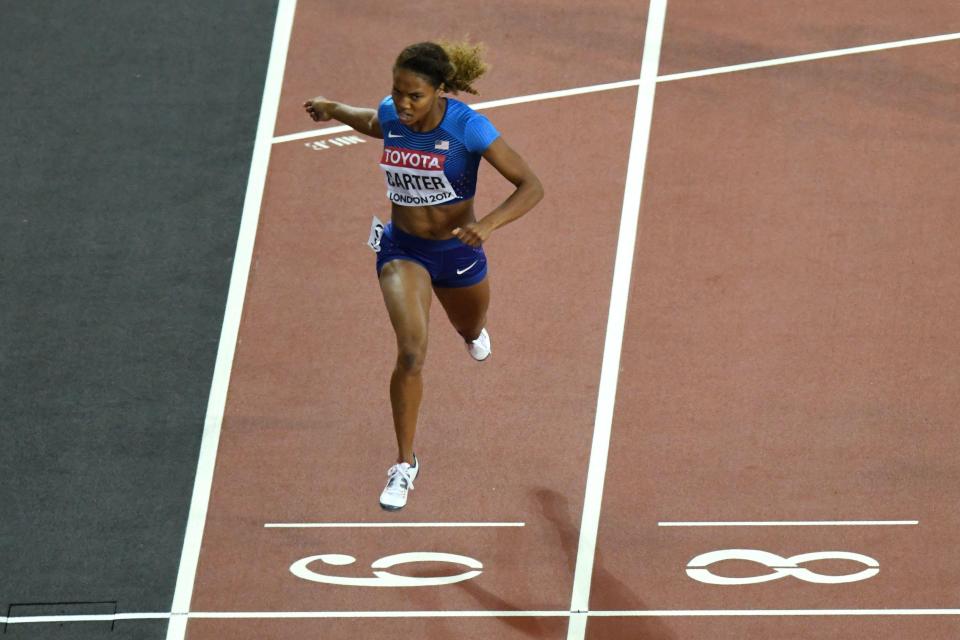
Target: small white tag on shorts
x,y
376,233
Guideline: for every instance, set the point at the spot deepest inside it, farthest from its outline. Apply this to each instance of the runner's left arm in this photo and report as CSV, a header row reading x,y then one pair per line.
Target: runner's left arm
x,y
528,193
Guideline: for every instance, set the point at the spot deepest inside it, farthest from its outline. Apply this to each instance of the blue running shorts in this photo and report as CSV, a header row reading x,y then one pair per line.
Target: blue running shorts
x,y
451,263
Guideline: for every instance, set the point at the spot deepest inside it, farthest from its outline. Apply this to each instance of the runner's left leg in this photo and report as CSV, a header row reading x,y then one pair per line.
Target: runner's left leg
x,y
466,307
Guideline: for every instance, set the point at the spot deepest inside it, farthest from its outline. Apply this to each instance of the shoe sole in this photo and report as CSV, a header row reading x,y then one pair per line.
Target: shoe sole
x,y
389,507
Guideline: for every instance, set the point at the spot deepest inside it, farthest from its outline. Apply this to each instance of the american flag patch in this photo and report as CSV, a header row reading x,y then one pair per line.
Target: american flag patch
x,y
443,145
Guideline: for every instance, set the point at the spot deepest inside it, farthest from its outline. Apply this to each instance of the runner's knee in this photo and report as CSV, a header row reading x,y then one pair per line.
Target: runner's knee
x,y
411,354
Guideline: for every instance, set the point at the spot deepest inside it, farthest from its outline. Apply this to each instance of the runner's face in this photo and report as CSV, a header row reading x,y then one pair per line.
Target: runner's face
x,y
414,97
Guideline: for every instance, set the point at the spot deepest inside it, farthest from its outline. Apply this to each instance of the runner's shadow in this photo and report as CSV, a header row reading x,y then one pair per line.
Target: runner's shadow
x,y
617,595
533,627
488,601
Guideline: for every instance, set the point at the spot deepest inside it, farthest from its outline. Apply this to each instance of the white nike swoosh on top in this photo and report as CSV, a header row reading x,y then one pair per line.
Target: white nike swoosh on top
x,y
390,135
463,271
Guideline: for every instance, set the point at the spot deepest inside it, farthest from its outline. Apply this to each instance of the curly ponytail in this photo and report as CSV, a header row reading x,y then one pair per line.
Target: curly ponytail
x,y
453,65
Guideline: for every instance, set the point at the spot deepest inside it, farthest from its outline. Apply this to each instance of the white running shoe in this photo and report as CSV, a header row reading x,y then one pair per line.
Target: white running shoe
x,y
400,479
480,348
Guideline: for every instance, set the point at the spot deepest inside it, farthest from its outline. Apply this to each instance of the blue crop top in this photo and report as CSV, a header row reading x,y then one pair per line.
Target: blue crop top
x,y
437,166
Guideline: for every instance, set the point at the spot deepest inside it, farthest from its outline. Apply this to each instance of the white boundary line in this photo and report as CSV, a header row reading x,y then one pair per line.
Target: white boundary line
x,y
193,537
794,523
375,525
808,56
563,93
662,613
609,370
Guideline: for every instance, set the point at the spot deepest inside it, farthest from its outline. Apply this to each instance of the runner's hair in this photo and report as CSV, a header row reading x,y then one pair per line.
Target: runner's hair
x,y
452,65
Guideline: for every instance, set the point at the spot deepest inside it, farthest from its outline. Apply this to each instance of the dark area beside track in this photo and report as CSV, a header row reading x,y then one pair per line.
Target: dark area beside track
x,y
127,133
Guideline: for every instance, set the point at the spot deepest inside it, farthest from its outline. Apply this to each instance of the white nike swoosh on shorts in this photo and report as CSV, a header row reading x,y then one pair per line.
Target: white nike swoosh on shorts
x,y
390,135
460,272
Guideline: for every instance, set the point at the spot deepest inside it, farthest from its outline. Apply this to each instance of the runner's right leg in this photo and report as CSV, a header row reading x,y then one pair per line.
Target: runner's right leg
x,y
407,293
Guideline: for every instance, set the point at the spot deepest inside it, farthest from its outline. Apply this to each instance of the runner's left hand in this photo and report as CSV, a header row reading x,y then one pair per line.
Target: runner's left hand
x,y
473,234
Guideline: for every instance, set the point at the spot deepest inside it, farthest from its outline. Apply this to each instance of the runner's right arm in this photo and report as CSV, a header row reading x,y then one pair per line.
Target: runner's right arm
x,y
363,120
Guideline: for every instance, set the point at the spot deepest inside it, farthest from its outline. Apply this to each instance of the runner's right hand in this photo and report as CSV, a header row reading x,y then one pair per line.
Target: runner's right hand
x,y
319,108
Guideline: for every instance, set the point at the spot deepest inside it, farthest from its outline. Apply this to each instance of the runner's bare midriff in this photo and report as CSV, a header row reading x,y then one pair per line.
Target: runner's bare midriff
x,y
433,222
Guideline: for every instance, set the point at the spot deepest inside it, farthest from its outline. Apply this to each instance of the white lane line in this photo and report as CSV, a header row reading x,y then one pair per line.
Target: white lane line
x,y
374,525
623,266
231,320
794,523
491,104
662,613
809,56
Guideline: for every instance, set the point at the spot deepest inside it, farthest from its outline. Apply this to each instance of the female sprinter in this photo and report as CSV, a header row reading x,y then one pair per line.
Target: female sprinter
x,y
432,146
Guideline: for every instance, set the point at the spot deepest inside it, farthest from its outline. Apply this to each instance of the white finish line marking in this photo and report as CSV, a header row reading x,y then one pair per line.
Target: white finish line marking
x,y
373,525
794,523
665,613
